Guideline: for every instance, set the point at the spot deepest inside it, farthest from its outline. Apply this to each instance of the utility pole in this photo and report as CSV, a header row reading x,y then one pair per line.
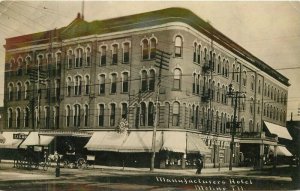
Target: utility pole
x,y
162,61
234,124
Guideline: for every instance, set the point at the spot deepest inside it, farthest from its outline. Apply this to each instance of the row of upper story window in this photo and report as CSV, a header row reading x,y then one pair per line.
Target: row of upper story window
x,y
274,113
217,92
21,90
20,118
82,56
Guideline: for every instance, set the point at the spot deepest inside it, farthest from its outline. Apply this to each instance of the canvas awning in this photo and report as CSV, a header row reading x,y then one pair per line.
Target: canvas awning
x,y
141,141
196,145
278,130
281,151
106,141
174,141
34,139
11,142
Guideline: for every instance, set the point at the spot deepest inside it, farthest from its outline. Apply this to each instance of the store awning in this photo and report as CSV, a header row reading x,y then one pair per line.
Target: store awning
x,y
106,141
196,145
278,130
34,139
174,141
281,151
12,140
141,141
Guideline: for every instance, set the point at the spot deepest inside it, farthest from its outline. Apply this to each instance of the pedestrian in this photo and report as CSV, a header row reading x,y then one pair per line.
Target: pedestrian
x,y
199,164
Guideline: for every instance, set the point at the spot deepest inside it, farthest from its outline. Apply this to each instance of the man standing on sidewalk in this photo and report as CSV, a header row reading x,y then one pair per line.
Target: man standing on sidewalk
x,y
199,164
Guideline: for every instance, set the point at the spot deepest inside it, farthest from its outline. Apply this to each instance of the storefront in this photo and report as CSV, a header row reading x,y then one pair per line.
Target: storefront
x,y
9,144
134,148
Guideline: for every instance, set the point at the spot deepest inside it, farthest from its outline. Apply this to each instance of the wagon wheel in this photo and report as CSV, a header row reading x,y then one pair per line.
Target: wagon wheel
x,y
81,163
66,163
46,165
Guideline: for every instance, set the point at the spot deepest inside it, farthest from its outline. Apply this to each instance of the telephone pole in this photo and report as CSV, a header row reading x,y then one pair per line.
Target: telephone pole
x,y
162,61
234,124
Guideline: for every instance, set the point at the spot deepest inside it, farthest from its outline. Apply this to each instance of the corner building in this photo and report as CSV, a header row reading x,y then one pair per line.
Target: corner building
x,y
97,73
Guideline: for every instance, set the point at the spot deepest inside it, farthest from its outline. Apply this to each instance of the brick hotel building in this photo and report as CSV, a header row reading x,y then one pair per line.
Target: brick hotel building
x,y
96,73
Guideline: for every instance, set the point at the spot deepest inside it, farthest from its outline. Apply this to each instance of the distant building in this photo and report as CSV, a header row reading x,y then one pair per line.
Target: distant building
x,y
97,73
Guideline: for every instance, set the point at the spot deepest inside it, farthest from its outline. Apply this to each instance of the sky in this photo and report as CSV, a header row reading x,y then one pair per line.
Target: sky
x,y
270,30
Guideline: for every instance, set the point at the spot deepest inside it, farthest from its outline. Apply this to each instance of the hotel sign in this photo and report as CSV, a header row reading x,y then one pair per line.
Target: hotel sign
x,y
19,136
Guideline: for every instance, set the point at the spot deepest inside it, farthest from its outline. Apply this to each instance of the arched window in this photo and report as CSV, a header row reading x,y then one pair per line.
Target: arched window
x,y
125,82
114,54
77,115
19,69
126,52
177,79
244,78
223,67
195,52
47,116
112,115
68,116
87,84
18,117
69,86
26,117
70,59
145,49
78,84
57,88
10,92
199,54
143,114
9,118
251,127
102,84
27,63
233,72
237,74
144,81
152,48
101,115
113,85
258,106
58,62
219,65
88,56
259,87
218,92
226,69
86,115
56,117
78,62
194,83
18,91
124,111
152,80
252,106
176,113
150,114
178,46
103,56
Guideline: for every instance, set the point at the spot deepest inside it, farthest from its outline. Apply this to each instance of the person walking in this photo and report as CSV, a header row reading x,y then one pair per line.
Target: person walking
x,y
199,164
